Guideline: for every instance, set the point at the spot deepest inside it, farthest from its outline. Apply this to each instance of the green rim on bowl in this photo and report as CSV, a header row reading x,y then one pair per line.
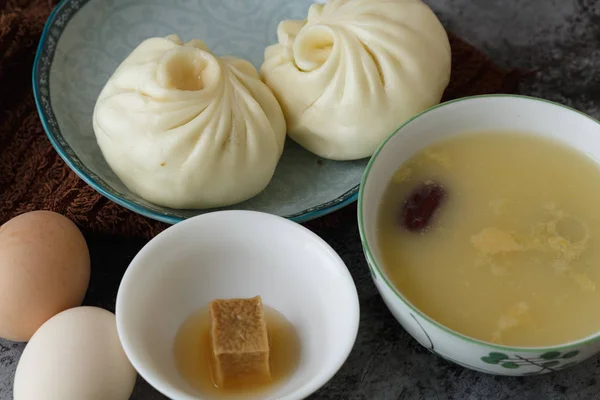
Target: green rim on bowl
x,y
53,29
373,263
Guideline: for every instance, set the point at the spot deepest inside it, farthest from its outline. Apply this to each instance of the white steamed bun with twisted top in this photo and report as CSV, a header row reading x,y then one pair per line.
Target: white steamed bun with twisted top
x,y
354,70
184,129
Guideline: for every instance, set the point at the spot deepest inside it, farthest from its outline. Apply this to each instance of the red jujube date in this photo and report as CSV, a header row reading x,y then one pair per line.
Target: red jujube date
x,y
420,206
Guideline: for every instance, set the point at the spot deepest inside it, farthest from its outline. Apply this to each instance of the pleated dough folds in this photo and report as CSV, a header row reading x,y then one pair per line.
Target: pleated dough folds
x,y
355,70
183,128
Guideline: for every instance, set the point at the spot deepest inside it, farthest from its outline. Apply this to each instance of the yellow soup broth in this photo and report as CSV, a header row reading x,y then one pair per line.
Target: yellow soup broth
x,y
511,254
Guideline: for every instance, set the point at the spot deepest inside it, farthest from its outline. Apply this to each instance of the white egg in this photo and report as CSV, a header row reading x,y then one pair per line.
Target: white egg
x,y
75,355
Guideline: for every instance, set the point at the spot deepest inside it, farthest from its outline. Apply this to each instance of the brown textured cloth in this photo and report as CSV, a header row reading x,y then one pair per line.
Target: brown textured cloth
x,y
32,175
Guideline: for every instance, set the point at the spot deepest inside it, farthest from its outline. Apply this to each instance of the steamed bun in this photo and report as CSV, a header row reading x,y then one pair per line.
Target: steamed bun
x,y
182,128
355,70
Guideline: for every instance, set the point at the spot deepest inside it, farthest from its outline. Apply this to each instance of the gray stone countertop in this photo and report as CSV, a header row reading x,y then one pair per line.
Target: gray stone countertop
x,y
561,38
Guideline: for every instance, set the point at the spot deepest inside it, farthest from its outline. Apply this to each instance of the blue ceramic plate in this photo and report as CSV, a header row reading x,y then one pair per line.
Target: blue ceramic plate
x,y
85,40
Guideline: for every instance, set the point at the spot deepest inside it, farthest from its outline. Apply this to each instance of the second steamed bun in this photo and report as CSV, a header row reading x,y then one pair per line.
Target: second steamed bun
x,y
354,70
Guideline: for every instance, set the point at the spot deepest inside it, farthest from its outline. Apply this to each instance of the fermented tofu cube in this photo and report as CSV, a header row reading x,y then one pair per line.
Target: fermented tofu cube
x,y
240,344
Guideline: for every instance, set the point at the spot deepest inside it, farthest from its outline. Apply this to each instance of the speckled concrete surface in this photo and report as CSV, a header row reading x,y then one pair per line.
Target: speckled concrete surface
x,y
560,39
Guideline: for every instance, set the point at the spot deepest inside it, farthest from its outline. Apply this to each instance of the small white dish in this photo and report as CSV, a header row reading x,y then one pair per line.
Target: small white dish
x,y
474,114
230,254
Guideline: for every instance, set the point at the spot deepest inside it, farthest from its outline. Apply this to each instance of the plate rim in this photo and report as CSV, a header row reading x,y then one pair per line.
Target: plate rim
x,y
44,58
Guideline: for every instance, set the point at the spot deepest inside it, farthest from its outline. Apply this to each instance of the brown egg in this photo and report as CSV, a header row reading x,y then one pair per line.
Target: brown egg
x,y
44,269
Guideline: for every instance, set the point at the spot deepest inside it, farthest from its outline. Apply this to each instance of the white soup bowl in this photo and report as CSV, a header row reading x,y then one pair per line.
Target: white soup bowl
x,y
483,114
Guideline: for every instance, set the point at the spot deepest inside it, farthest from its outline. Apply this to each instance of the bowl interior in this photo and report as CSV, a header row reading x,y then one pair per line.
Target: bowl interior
x,y
85,41
237,254
482,114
